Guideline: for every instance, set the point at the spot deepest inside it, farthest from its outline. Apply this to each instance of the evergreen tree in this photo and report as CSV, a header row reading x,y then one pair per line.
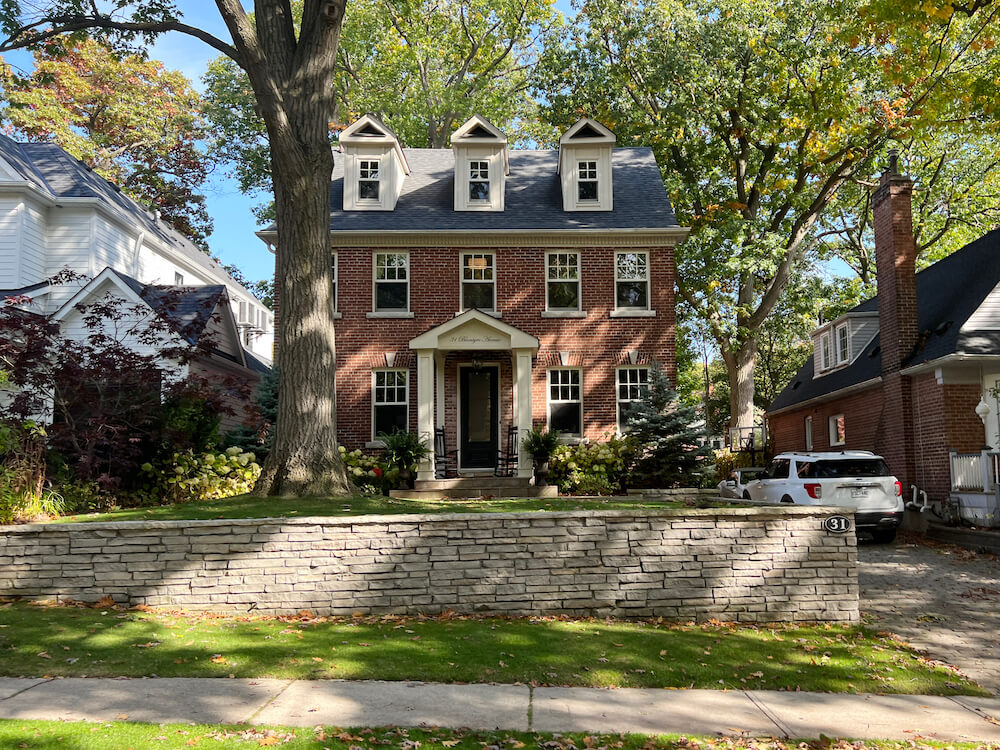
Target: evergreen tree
x,y
668,438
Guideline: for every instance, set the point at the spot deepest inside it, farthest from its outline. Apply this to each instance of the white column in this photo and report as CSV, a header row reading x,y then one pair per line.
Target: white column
x,y
425,409
522,405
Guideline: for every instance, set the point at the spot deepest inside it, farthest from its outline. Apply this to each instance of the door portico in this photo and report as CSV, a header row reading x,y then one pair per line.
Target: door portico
x,y
472,331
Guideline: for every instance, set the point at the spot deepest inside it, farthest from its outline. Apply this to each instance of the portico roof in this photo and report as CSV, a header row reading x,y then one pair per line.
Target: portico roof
x,y
474,330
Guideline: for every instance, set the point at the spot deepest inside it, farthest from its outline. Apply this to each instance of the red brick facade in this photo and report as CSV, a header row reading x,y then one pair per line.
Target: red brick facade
x,y
911,420
596,344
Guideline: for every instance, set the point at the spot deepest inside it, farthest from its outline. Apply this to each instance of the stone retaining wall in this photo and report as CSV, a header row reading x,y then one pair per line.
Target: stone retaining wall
x,y
742,564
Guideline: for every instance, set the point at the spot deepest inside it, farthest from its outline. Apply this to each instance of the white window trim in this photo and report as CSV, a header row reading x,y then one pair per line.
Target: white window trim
x,y
826,351
836,340
375,441
470,180
462,281
381,187
832,428
376,313
566,312
646,311
618,399
807,426
178,278
596,180
549,401
335,262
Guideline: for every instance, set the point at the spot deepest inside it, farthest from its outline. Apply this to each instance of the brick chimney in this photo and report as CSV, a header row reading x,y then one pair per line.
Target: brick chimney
x,y
895,265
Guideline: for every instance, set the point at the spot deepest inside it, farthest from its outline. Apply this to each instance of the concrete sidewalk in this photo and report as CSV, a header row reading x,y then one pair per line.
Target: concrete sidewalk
x,y
512,707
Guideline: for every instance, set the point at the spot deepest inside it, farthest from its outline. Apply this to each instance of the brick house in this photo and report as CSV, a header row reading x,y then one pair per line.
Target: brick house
x,y
912,374
481,288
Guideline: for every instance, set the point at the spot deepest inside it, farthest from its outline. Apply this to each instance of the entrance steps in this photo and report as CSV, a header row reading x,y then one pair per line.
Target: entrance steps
x,y
475,486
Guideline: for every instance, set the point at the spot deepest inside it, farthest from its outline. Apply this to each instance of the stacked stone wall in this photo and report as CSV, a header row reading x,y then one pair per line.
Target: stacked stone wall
x,y
739,564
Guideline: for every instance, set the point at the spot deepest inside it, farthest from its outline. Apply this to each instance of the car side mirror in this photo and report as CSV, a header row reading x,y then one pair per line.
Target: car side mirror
x,y
731,483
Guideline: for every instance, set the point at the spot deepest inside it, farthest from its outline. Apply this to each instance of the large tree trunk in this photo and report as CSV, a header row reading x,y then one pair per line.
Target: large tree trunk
x,y
296,104
740,363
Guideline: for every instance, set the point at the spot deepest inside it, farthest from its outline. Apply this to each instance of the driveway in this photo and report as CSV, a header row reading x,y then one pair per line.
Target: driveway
x,y
944,600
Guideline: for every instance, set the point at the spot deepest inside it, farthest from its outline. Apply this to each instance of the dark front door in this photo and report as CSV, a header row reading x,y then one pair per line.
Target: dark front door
x,y
479,391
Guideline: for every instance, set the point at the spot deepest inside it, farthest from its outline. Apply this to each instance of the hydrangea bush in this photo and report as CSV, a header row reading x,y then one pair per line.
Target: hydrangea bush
x,y
370,474
205,476
597,468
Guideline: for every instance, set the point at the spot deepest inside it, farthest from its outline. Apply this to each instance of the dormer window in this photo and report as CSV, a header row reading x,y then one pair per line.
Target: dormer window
x,y
586,184
481,165
479,181
585,170
843,344
827,353
369,179
374,166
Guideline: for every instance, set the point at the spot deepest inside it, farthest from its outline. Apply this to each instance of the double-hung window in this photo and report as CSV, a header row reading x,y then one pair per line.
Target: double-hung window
x,y
586,181
633,387
843,345
369,179
479,281
838,430
632,281
392,282
565,402
479,181
334,270
390,402
827,360
808,426
563,281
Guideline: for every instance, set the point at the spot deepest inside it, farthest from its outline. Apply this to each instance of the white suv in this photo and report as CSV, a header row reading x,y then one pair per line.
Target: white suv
x,y
854,479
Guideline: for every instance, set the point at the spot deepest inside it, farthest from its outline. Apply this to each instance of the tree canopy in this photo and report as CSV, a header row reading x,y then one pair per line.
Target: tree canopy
x,y
135,122
759,113
422,66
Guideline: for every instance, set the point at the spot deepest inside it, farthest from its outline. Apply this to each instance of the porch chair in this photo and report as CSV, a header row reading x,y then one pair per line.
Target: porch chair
x,y
445,461
507,459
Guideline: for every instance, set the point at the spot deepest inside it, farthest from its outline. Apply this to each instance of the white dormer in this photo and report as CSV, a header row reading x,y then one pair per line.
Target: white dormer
x,y
481,165
585,166
838,343
374,166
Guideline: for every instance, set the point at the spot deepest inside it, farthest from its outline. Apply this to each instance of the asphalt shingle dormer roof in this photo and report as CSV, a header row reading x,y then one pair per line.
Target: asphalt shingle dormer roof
x,y
533,198
949,294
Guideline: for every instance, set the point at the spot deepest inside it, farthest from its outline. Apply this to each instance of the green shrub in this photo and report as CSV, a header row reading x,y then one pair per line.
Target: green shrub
x,y
599,468
23,491
540,443
204,476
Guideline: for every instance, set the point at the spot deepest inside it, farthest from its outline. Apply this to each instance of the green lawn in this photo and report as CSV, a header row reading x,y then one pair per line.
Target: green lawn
x,y
75,641
81,735
245,506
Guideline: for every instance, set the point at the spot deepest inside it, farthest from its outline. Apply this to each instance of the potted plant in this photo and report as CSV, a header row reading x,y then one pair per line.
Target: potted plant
x,y
404,451
540,443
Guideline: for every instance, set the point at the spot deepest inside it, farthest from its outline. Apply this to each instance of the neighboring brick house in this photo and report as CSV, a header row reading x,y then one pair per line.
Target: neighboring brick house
x,y
482,288
909,373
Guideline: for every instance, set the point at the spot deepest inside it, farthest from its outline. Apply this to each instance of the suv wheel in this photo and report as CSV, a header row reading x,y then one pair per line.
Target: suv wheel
x,y
787,499
884,536
746,495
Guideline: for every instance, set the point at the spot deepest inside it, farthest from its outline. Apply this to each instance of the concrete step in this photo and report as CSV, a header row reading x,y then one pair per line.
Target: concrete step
x,y
487,481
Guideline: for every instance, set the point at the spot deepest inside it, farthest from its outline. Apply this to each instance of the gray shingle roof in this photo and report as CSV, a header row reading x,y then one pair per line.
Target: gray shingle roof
x,y
55,172
948,293
533,197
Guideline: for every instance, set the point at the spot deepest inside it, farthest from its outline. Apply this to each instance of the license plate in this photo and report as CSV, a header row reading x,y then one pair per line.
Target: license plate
x,y
859,492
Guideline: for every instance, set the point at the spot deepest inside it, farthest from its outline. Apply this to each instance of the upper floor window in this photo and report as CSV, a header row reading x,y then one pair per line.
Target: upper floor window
x,y
479,181
843,345
563,281
808,426
478,281
565,402
392,282
825,351
178,279
632,280
369,179
586,184
335,269
633,387
390,402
